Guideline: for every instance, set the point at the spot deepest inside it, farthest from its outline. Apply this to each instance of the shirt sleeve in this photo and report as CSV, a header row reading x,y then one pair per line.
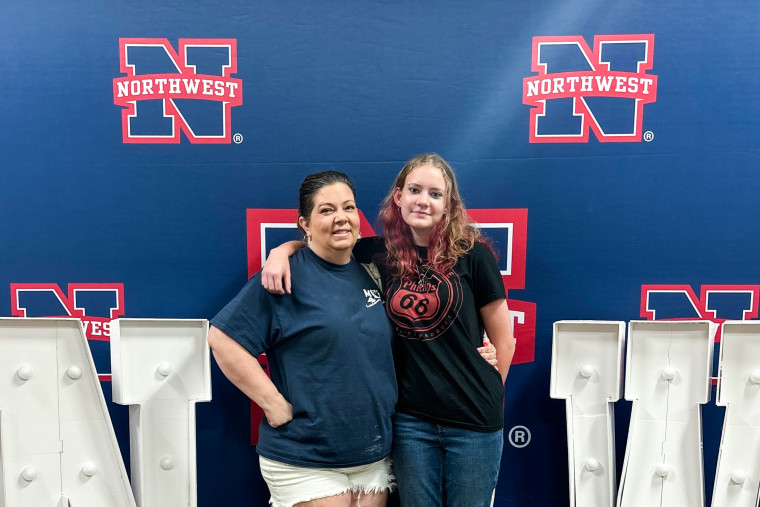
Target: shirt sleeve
x,y
249,318
488,285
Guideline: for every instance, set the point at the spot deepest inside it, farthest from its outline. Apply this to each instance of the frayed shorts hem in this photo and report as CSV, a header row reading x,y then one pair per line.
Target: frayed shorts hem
x,y
289,484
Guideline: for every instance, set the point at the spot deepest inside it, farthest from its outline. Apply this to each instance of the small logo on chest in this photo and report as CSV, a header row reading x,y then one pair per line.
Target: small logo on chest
x,y
373,297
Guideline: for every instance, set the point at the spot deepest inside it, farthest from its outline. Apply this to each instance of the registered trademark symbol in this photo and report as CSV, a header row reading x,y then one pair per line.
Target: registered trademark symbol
x,y
519,436
237,138
648,136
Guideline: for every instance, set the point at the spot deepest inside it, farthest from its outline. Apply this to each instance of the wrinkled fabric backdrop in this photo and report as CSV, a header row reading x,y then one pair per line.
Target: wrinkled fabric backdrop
x,y
361,87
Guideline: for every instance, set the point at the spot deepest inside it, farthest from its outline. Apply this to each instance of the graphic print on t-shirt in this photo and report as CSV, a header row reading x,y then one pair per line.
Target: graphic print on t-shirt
x,y
424,311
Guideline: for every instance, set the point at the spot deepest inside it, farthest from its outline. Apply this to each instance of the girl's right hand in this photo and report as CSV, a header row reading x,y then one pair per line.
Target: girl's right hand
x,y
275,276
488,352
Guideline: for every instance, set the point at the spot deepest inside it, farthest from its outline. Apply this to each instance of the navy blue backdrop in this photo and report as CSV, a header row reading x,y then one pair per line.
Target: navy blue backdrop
x,y
361,87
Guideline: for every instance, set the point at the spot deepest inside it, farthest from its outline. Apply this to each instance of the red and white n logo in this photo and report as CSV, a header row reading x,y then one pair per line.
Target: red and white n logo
x,y
166,91
578,89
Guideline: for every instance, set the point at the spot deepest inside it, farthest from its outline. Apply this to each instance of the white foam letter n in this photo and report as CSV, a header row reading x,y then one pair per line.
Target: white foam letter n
x,y
57,444
668,375
587,359
738,471
161,369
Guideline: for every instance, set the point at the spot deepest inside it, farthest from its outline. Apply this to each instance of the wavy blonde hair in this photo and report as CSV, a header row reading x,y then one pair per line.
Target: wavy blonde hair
x,y
450,239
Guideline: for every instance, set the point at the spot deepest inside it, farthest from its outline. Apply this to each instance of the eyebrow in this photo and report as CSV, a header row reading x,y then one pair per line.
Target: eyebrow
x,y
328,203
420,185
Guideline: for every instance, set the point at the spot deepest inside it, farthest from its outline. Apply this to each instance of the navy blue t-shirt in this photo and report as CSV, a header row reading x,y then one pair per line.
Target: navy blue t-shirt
x,y
328,345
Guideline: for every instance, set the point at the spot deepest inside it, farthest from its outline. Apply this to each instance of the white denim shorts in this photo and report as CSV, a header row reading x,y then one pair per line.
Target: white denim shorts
x,y
289,484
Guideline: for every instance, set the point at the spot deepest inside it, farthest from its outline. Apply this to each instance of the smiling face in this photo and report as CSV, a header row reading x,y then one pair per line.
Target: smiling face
x,y
333,226
422,200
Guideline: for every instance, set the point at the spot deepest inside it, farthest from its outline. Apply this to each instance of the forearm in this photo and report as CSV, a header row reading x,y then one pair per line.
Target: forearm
x,y
243,370
498,325
504,354
288,248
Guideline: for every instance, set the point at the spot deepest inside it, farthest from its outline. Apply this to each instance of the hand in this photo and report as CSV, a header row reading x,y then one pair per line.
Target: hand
x,y
488,352
275,276
279,413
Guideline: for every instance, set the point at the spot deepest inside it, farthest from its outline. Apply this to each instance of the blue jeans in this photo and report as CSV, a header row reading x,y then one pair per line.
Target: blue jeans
x,y
439,465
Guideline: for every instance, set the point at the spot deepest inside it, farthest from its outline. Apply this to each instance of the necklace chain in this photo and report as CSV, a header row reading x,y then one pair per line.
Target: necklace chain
x,y
422,276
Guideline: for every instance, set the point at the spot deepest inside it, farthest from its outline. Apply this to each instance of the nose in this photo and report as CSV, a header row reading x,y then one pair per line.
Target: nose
x,y
340,217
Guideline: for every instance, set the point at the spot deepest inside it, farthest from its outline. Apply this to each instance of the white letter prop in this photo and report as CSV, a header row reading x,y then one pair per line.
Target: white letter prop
x,y
57,445
161,369
738,470
668,374
587,372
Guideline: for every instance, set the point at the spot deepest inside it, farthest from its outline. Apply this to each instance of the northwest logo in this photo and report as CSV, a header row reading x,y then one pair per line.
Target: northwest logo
x,y
95,304
716,303
577,89
167,91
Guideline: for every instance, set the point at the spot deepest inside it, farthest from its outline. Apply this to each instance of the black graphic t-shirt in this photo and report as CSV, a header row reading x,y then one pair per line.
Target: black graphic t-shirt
x,y
436,318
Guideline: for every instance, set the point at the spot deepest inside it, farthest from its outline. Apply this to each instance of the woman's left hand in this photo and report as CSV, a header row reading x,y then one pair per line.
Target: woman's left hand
x,y
488,352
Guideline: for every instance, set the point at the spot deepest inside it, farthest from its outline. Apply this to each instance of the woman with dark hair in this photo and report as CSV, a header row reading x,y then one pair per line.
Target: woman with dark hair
x,y
442,290
326,435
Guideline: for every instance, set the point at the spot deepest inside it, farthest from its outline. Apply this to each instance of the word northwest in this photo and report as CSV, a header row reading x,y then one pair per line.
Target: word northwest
x,y
168,86
583,84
